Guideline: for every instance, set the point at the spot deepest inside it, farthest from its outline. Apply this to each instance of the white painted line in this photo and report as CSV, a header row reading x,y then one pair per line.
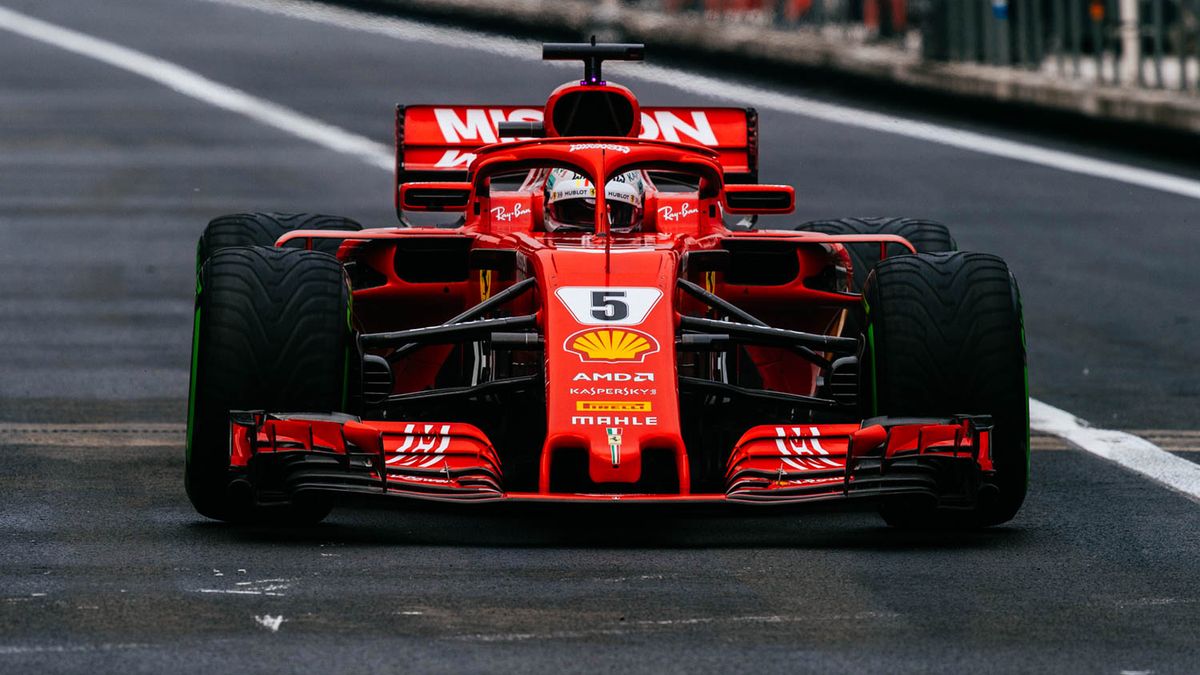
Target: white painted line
x,y
100,428
710,87
8,650
656,624
200,88
1133,453
1125,449
142,436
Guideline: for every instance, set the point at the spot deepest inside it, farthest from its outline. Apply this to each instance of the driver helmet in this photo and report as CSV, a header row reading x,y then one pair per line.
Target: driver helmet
x,y
570,200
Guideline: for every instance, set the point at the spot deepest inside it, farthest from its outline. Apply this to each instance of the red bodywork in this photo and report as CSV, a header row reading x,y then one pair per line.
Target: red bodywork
x,y
620,403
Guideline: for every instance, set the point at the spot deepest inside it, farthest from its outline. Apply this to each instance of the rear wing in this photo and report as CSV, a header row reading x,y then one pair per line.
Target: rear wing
x,y
437,143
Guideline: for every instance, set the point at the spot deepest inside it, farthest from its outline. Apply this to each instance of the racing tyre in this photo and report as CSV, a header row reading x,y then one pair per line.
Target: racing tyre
x,y
925,235
271,332
944,337
263,229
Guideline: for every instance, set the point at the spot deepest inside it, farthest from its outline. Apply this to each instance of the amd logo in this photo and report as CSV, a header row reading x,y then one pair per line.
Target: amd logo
x,y
614,377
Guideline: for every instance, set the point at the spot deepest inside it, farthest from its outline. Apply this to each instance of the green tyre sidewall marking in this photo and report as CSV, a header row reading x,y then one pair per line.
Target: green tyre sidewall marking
x,y
191,414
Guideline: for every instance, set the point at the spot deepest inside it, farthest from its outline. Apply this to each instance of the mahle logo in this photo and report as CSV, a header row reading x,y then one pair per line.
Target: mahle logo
x,y
613,345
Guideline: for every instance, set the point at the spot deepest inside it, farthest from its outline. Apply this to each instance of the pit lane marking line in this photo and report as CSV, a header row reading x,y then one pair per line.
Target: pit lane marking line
x,y
14,650
659,624
20,428
196,86
1125,449
1171,440
127,435
1132,452
742,95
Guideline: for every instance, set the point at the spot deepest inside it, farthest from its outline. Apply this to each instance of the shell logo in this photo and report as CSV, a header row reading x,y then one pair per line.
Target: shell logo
x,y
611,345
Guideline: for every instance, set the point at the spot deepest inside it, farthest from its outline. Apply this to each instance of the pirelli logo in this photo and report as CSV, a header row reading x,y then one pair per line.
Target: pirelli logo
x,y
612,406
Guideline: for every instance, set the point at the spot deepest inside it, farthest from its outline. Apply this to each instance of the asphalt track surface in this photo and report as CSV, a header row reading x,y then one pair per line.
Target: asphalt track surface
x,y
106,180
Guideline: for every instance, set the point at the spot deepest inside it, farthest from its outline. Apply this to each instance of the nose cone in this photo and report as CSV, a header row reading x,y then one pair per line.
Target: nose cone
x,y
610,358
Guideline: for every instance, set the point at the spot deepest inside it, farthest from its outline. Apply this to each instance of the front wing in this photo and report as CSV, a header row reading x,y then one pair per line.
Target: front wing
x,y
946,459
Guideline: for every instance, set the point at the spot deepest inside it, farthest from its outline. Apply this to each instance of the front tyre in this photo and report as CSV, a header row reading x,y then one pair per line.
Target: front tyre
x,y
945,336
271,332
926,236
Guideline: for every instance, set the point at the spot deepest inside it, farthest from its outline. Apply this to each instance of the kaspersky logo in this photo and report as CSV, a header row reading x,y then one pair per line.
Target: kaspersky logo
x,y
611,345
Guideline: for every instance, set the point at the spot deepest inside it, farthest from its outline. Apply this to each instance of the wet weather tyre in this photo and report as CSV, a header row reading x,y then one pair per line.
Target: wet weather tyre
x,y
926,236
945,336
264,229
271,332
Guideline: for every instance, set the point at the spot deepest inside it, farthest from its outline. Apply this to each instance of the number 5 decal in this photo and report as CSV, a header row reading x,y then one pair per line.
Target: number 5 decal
x,y
609,306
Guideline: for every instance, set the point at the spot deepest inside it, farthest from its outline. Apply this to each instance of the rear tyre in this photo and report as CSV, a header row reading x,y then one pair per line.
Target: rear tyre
x,y
945,336
264,229
271,332
926,236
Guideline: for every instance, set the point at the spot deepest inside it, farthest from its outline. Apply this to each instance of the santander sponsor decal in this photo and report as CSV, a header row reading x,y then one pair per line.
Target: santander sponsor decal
x,y
473,127
576,147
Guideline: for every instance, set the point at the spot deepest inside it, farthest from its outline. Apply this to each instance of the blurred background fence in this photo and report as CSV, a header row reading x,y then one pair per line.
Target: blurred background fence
x,y
1123,61
1141,43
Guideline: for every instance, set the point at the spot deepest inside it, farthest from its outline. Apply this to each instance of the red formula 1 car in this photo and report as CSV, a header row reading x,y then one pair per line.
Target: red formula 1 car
x,y
595,328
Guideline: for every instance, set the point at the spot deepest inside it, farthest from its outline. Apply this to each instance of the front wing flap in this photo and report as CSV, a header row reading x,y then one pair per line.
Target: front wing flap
x,y
793,463
431,461
774,464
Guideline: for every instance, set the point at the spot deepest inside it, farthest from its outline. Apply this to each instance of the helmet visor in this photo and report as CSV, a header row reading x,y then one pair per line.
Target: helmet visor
x,y
621,216
574,214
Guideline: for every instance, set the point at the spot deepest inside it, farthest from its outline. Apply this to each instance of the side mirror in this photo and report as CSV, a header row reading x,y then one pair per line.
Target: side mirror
x,y
714,260
435,196
759,199
502,260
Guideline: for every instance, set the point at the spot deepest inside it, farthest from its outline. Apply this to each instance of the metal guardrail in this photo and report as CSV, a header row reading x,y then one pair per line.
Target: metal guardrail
x,y
1139,43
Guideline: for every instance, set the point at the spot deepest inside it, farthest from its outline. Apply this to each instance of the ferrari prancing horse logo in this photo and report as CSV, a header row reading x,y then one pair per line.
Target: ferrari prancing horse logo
x,y
614,444
485,285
